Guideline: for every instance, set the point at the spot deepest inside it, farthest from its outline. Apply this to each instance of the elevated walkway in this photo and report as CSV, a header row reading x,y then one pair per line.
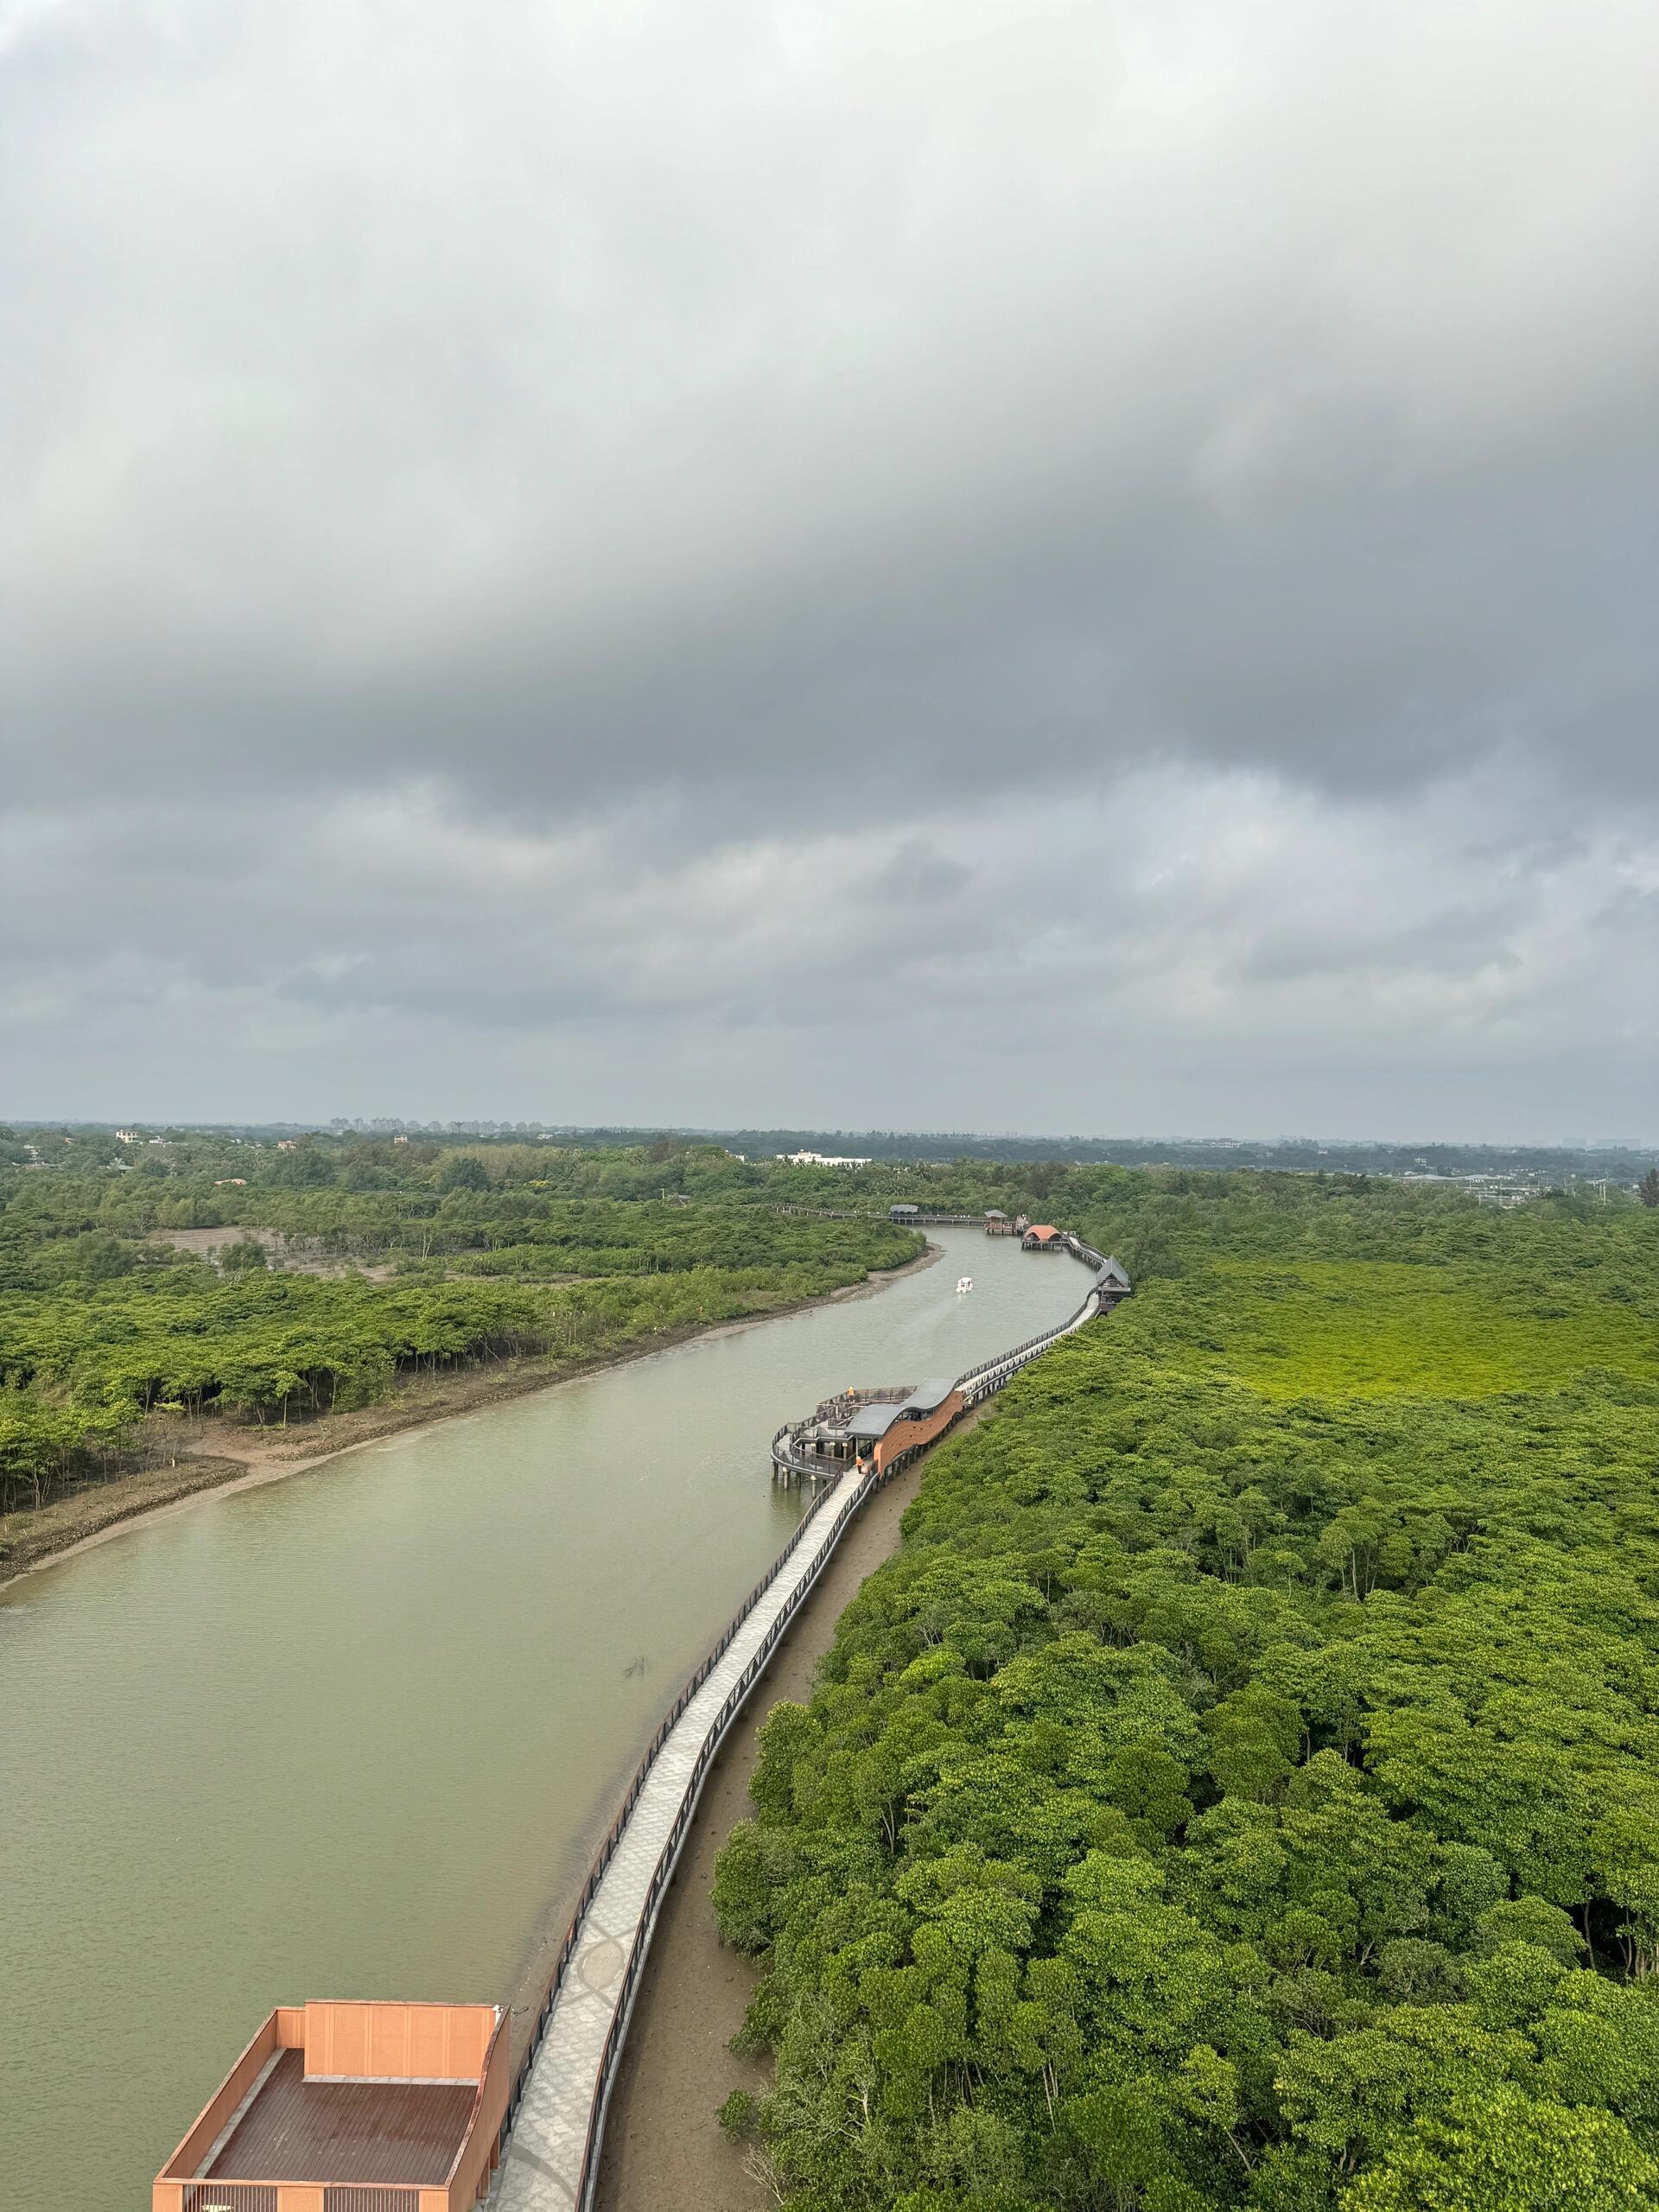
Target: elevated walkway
x,y
554,2124
553,2128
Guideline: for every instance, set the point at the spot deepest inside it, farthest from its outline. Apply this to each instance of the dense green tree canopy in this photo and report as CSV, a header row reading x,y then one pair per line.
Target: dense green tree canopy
x,y
1243,1789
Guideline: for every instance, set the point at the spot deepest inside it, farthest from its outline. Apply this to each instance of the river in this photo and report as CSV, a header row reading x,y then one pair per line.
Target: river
x,y
355,1733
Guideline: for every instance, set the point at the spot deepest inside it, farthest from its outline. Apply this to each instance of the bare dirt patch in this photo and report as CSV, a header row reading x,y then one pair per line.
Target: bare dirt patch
x,y
288,1256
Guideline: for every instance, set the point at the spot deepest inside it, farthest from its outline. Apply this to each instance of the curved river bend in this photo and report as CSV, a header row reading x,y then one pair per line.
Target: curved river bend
x,y
355,1734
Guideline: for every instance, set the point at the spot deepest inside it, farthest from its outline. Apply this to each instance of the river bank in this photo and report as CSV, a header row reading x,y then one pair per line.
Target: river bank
x,y
203,1465
663,2142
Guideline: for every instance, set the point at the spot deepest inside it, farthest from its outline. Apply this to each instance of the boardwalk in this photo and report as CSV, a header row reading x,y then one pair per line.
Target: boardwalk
x,y
548,2161
551,2136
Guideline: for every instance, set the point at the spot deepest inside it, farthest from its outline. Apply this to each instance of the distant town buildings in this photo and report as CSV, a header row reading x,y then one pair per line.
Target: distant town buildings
x,y
820,1159
386,1125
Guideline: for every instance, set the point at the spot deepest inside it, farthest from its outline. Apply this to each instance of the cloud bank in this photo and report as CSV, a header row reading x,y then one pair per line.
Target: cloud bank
x,y
1042,565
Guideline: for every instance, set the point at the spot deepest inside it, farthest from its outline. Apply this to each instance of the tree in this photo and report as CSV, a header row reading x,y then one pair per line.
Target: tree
x,y
1626,1848
1118,2132
1255,1738
1507,2152
1648,1189
462,1172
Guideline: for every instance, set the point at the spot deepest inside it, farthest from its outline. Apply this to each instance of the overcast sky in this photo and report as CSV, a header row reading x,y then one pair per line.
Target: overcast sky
x,y
985,563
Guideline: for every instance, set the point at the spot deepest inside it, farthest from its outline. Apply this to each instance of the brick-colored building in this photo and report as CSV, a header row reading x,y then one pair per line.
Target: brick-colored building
x,y
350,2107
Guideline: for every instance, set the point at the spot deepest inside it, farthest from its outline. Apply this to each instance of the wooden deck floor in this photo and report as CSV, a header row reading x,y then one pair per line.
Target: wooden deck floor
x,y
296,2130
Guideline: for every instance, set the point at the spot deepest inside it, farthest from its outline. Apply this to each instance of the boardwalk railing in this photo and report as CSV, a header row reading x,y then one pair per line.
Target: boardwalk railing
x,y
979,1383
614,1834
662,1874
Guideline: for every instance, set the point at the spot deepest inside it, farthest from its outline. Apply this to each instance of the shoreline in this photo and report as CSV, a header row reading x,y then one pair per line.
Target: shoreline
x,y
663,2142
137,1500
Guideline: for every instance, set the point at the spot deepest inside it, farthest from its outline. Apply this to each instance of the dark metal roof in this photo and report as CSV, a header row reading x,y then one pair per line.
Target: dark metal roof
x,y
1118,1269
296,2130
871,1421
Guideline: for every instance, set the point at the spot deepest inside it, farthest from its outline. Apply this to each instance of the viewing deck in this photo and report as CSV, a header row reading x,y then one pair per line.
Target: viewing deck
x,y
350,2107
346,2132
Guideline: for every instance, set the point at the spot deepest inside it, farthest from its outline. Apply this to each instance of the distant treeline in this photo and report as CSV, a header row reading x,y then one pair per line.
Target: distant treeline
x,y
1625,1160
104,1320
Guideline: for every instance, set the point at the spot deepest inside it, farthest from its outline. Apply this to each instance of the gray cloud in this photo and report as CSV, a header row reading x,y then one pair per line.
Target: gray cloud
x,y
597,532
1182,940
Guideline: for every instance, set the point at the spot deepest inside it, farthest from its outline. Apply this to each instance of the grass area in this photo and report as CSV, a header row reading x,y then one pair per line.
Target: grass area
x,y
1375,1329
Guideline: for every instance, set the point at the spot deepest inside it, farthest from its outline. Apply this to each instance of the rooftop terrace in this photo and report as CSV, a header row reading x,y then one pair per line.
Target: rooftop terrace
x,y
350,2107
345,2131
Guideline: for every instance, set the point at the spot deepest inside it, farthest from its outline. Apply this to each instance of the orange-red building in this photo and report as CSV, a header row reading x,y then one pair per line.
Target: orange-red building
x,y
350,2107
884,1432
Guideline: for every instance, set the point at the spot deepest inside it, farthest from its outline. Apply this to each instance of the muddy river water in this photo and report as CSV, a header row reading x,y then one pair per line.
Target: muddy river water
x,y
354,1733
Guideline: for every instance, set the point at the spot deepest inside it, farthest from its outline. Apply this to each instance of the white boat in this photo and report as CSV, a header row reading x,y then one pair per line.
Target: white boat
x,y
965,1282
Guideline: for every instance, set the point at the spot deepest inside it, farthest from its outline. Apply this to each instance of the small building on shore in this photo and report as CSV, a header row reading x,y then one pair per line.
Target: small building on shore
x,y
350,2107
909,1216
997,1222
1113,1283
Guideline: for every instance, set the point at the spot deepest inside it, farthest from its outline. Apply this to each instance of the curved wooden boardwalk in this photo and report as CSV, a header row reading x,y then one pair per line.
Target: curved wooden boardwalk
x,y
552,2137
550,2160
